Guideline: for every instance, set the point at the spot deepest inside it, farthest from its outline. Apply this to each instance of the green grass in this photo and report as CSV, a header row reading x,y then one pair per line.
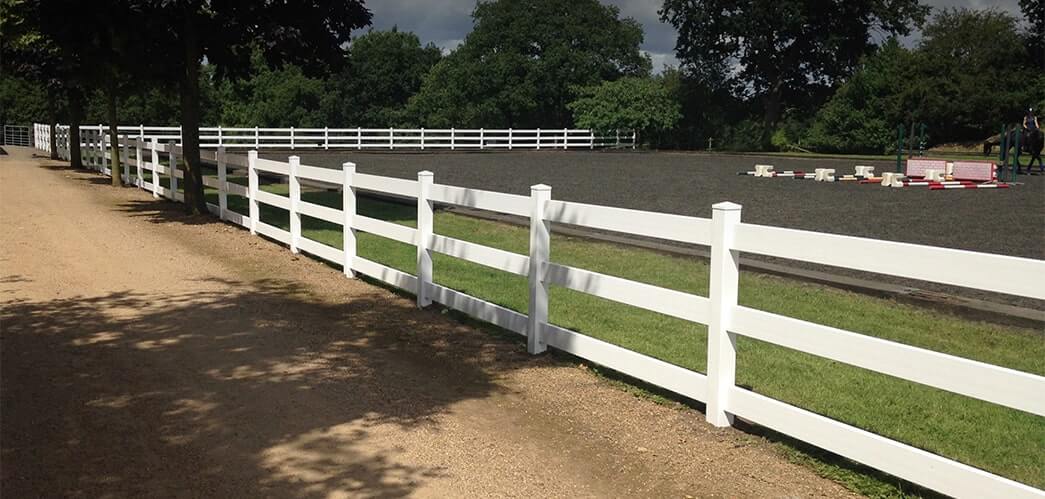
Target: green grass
x,y
1004,441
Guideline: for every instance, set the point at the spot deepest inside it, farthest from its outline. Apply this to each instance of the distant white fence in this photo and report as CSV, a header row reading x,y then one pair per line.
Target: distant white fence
x,y
15,135
382,138
724,233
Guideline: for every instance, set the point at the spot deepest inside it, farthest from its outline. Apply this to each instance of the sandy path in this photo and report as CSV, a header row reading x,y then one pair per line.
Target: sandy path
x,y
145,353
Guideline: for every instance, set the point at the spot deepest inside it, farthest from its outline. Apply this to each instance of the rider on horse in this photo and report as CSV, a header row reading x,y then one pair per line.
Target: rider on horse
x,y
1030,122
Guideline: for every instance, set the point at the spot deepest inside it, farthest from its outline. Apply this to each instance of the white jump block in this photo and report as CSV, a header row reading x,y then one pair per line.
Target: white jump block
x,y
934,175
763,170
864,171
891,178
824,175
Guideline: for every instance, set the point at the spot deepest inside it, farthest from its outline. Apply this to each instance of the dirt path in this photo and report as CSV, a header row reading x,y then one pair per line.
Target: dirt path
x,y
145,353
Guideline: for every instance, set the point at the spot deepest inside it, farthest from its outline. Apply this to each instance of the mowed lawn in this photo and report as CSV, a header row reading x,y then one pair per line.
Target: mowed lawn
x,y
1008,442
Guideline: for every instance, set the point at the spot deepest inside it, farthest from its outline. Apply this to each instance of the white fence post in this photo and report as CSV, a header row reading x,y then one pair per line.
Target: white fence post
x,y
103,139
257,138
326,138
101,148
348,208
220,142
453,138
295,201
482,138
591,139
565,138
359,138
633,137
141,130
252,191
509,139
617,135
722,345
540,250
391,138
538,139
422,138
125,142
223,188
155,144
173,155
138,144
85,148
425,224
292,138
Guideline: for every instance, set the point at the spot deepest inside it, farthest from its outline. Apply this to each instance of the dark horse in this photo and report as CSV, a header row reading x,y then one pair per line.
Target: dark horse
x,y
1031,142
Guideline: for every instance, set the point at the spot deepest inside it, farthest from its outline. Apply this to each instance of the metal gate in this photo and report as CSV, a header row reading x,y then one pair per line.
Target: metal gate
x,y
16,135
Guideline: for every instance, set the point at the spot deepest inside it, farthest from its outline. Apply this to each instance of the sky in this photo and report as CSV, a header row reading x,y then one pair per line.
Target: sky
x,y
446,22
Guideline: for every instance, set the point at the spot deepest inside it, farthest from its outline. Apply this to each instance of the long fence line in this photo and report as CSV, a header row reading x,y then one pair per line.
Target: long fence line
x,y
727,236
374,138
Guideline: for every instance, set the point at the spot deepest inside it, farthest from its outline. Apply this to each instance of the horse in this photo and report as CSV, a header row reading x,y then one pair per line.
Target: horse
x,y
1032,142
989,143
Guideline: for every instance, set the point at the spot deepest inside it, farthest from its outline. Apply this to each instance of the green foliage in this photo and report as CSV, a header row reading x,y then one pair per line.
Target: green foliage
x,y
631,103
522,60
281,97
22,102
781,52
862,115
968,75
385,69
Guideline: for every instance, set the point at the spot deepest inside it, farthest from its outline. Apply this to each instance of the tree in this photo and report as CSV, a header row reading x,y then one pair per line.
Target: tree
x,y
311,34
385,69
862,115
282,97
640,104
53,55
524,59
969,74
1034,12
779,51
973,73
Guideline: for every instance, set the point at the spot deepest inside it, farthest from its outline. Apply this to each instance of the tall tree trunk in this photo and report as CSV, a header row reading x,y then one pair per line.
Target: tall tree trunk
x,y
195,203
114,132
75,116
771,103
53,118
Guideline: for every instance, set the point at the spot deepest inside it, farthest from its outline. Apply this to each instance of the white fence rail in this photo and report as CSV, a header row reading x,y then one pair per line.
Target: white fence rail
x,y
382,138
726,235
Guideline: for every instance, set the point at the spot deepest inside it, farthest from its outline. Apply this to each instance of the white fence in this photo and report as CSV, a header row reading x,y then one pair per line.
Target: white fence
x,y
15,135
724,232
381,138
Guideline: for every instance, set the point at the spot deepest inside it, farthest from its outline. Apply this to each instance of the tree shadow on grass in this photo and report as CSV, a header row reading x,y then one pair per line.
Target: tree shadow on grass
x,y
261,391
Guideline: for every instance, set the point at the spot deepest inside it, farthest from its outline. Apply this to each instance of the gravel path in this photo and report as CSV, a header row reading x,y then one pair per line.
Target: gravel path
x,y
146,353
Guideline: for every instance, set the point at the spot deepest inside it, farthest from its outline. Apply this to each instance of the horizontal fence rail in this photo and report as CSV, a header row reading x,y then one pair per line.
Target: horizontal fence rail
x,y
725,318
381,138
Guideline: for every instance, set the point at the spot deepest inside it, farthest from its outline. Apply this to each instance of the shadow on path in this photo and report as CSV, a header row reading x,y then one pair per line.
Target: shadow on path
x,y
261,390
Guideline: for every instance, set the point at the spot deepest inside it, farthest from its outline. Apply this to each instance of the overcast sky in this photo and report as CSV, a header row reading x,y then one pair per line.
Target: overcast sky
x,y
446,22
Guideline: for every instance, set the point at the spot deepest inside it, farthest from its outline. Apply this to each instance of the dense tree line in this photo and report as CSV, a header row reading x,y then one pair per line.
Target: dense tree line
x,y
822,76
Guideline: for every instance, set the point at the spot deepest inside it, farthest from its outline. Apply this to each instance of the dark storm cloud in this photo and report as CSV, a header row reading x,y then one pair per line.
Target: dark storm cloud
x,y
446,22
